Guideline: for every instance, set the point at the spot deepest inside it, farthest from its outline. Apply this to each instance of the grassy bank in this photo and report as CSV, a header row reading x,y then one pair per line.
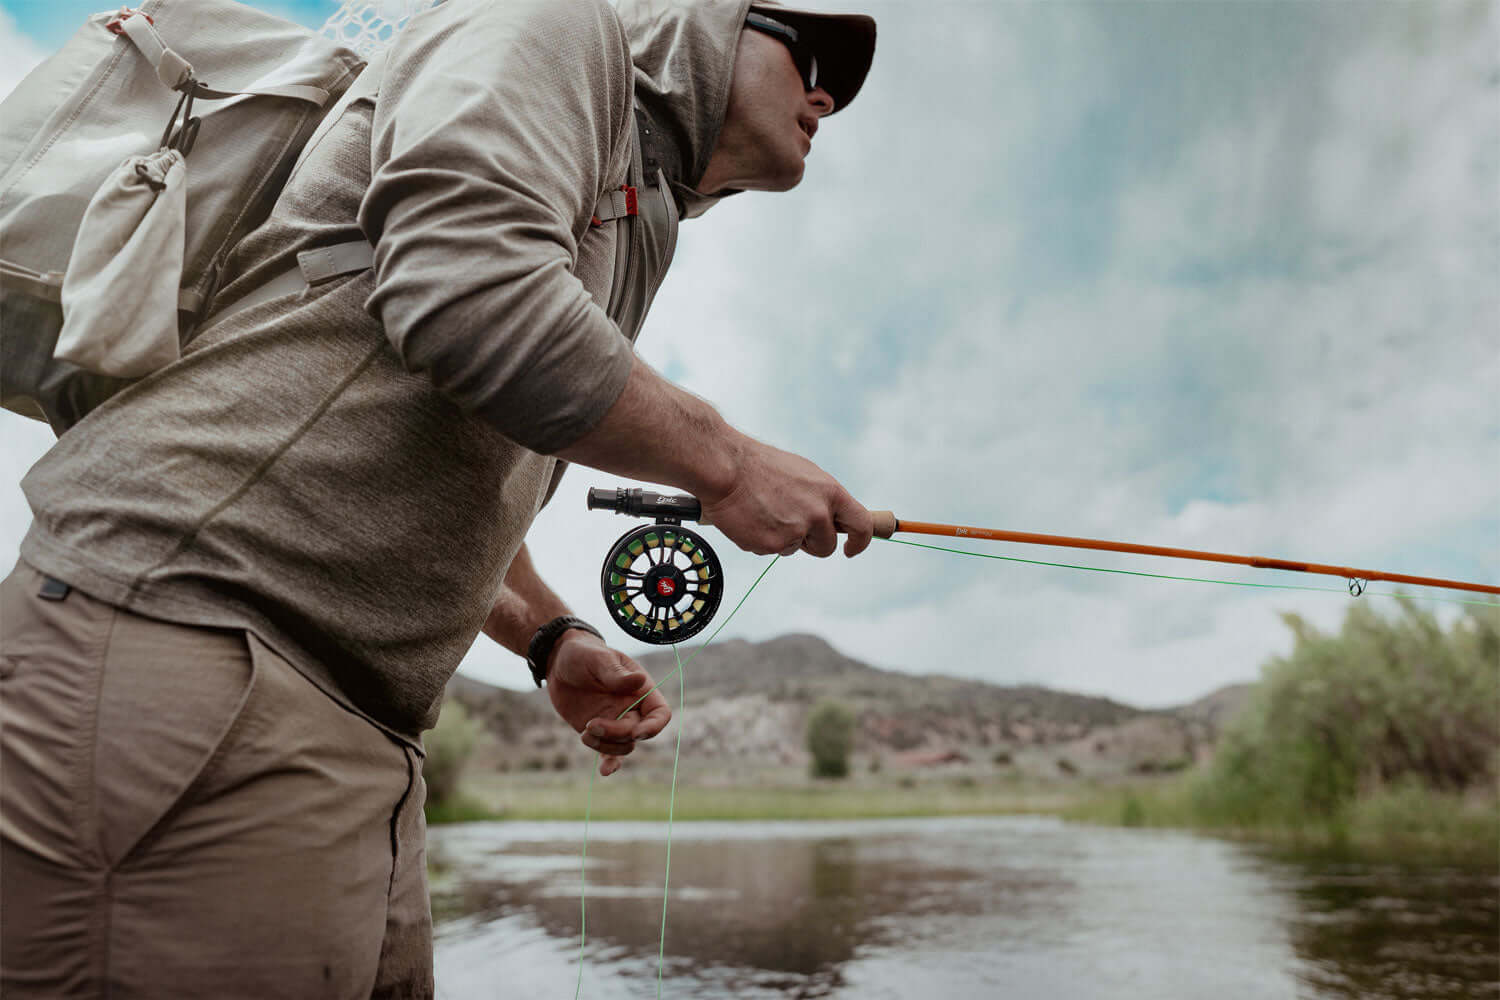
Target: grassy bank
x,y
642,796
1403,823
1406,822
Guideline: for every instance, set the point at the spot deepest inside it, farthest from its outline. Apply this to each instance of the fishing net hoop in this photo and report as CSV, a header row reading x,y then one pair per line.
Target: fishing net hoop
x,y
369,26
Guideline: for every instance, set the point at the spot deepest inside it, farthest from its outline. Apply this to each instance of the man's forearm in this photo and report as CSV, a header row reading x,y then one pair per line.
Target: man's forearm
x,y
660,433
525,604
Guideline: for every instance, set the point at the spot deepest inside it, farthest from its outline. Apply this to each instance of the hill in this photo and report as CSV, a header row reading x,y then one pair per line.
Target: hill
x,y
749,702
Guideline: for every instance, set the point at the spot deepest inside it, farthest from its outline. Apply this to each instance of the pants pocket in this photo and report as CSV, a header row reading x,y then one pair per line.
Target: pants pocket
x,y
169,697
51,653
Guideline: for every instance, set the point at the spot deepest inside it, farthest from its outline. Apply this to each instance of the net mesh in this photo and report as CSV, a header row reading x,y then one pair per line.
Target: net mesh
x,y
369,26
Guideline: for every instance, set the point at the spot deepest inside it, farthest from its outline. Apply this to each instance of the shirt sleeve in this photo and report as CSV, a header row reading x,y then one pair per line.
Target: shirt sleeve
x,y
494,131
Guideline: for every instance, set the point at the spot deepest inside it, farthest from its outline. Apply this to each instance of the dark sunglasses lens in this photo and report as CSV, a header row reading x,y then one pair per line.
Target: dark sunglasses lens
x,y
807,65
802,54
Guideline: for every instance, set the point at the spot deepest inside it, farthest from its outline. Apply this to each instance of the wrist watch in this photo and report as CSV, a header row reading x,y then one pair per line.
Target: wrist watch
x,y
540,649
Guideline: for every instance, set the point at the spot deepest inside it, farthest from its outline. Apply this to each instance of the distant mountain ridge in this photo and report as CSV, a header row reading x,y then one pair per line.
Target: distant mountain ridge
x,y
750,700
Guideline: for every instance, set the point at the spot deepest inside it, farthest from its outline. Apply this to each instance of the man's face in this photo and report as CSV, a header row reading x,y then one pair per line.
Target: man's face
x,y
768,129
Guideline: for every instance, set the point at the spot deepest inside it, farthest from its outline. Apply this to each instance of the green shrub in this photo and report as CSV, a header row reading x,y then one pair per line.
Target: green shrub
x,y
830,738
448,748
1384,703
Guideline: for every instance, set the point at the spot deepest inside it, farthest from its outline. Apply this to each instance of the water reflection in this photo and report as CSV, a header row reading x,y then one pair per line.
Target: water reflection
x,y
1388,932
985,907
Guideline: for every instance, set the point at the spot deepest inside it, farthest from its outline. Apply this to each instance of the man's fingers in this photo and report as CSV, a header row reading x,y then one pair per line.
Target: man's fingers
x,y
614,730
822,539
612,748
609,765
855,519
655,714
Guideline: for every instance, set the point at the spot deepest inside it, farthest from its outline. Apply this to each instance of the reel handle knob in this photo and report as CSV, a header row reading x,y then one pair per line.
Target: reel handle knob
x,y
646,503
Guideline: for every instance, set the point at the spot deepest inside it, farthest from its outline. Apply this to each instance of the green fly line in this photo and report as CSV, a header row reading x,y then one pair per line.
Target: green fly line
x,y
1188,579
680,673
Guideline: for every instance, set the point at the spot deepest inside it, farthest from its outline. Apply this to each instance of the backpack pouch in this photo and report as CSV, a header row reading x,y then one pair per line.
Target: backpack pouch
x,y
119,295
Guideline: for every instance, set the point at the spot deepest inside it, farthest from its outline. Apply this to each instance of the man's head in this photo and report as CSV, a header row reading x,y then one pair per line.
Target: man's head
x,y
788,67
715,86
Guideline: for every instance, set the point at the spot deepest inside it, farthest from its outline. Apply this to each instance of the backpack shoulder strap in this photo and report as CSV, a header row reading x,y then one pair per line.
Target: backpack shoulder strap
x,y
367,84
176,72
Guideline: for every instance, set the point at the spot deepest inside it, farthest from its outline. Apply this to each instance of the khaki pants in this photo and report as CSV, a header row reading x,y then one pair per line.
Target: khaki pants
x,y
182,814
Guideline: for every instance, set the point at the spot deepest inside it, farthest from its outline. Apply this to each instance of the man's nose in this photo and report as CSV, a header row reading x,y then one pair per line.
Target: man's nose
x,y
822,100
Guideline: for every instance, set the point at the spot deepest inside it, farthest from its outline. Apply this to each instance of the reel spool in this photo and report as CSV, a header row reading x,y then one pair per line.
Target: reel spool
x,y
661,582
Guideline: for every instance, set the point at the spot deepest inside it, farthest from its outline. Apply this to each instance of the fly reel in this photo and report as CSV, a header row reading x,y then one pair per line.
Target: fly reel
x,y
661,582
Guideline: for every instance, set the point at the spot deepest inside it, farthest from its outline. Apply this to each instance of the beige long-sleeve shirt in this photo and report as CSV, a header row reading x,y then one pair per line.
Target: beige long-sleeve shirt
x,y
348,472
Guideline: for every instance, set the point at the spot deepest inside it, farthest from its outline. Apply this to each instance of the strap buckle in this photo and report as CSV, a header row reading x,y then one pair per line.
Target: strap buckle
x,y
116,24
615,205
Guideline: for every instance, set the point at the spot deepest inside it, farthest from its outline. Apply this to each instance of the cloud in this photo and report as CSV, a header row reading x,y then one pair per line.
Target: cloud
x,y
18,53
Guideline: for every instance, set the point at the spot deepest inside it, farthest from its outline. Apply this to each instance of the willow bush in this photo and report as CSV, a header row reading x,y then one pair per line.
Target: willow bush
x,y
830,739
448,747
1384,704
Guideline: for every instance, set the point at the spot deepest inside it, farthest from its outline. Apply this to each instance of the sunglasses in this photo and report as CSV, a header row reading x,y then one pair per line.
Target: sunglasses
x,y
802,53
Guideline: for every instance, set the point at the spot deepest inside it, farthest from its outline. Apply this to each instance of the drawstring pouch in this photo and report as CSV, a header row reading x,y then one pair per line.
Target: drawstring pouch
x,y
119,294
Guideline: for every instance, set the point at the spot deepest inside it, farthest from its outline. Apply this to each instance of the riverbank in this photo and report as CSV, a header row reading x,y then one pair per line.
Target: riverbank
x,y
641,795
1405,823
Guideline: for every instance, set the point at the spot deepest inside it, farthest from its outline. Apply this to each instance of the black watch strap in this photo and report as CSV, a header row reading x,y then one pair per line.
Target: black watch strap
x,y
540,649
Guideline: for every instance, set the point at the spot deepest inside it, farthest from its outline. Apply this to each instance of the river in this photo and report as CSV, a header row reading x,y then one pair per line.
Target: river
x,y
1023,907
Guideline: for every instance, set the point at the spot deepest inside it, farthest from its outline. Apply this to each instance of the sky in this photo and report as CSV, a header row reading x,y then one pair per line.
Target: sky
x,y
1213,274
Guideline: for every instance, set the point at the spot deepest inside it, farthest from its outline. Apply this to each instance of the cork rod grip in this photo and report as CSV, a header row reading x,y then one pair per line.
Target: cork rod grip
x,y
885,523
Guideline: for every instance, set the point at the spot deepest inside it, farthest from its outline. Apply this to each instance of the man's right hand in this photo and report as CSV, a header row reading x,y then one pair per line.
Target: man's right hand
x,y
764,499
782,503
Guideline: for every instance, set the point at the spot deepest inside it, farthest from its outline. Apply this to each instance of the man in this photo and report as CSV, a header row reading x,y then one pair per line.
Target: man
x,y
250,576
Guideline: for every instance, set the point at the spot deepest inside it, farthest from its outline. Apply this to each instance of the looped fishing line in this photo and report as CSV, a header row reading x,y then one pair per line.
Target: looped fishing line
x,y
671,799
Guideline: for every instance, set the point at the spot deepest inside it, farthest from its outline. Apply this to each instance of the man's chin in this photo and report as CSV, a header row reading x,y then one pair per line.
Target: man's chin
x,y
783,180
790,178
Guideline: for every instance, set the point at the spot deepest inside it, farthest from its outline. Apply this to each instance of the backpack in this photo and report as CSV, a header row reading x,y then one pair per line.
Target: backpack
x,y
108,265
170,130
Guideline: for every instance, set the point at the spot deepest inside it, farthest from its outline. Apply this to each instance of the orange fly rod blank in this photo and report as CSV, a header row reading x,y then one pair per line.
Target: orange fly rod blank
x,y
887,524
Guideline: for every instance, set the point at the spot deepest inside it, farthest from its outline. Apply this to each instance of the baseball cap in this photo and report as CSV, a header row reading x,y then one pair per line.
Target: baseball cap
x,y
843,43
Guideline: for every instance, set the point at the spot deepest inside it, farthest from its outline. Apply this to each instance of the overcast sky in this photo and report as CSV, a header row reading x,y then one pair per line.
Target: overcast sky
x,y
1212,274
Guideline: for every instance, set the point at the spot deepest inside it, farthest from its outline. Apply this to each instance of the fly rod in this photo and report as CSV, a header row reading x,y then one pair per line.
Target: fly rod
x,y
887,524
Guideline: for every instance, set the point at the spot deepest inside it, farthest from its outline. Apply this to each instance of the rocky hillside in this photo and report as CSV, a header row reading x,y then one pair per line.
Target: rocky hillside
x,y
749,702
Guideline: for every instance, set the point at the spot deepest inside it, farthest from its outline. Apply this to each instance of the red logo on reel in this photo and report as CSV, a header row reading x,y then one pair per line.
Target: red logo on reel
x,y
666,587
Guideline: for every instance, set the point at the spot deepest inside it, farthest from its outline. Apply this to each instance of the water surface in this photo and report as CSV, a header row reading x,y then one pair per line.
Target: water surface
x,y
984,907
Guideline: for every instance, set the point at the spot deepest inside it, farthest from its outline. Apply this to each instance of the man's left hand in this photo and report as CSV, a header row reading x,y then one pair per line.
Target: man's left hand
x,y
591,684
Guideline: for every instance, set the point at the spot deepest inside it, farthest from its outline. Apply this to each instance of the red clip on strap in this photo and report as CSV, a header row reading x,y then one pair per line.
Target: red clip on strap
x,y
603,214
114,23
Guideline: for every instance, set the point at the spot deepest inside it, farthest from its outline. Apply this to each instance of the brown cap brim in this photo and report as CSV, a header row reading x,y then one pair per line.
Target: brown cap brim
x,y
843,43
